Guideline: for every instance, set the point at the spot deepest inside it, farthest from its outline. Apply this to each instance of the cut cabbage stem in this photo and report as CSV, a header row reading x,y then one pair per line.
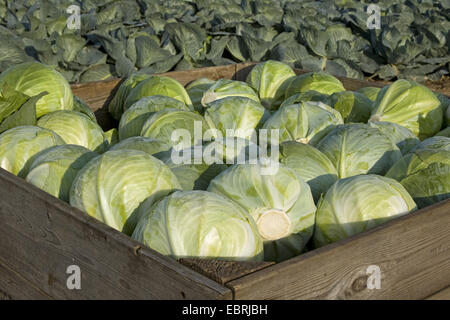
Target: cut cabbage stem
x,y
273,224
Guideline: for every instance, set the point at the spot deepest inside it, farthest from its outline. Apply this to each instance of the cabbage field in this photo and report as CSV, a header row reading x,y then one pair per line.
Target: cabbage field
x,y
114,38
262,169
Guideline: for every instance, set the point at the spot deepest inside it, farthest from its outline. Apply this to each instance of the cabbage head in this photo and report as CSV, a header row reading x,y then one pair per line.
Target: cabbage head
x,y
158,85
411,105
240,114
54,169
134,117
175,127
199,224
20,144
270,79
353,106
116,106
305,97
75,128
433,143
369,92
112,186
153,147
425,174
359,149
402,137
310,164
196,89
228,88
33,78
445,106
81,106
112,136
281,204
317,81
306,122
353,205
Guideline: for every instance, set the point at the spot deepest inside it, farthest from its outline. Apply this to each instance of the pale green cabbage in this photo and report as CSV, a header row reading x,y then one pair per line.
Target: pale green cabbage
x,y
112,186
75,128
425,174
353,106
134,117
358,203
54,169
310,164
306,122
411,105
199,224
281,204
369,92
33,78
270,79
228,88
154,147
317,81
158,85
305,97
402,137
20,144
359,149
433,143
196,89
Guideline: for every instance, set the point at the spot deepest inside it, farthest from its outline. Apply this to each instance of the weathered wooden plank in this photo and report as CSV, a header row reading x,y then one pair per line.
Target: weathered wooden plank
x,y
40,236
441,295
13,286
224,271
412,252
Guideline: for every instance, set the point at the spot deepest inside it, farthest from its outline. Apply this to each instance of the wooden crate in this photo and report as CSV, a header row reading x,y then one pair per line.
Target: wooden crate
x,y
40,236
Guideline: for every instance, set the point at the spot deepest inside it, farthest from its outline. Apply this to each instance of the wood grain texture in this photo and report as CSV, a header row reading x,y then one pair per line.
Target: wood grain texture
x,y
224,271
441,295
40,236
412,252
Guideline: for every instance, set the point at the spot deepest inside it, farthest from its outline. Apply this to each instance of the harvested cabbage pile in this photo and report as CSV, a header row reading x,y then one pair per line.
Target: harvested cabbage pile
x,y
262,169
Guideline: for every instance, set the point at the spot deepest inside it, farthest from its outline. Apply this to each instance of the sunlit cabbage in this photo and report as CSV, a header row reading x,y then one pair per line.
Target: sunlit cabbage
x,y
112,186
270,79
411,105
353,106
54,169
116,106
369,92
306,122
402,137
305,97
433,143
444,133
358,203
20,144
32,78
318,81
281,203
80,106
112,136
154,147
310,164
240,114
158,85
425,174
228,88
359,149
199,224
196,89
134,117
175,127
75,128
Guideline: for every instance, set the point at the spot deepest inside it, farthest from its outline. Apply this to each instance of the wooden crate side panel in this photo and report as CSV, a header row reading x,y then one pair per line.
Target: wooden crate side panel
x,y
412,252
40,236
